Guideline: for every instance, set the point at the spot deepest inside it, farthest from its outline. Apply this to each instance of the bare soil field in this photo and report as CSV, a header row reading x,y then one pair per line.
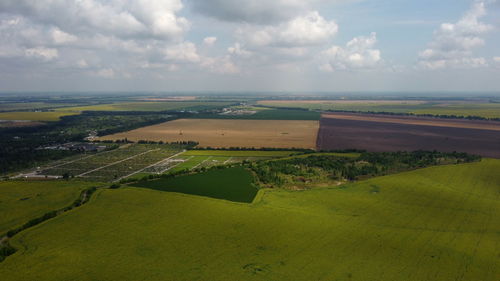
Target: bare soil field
x,y
229,133
412,120
386,133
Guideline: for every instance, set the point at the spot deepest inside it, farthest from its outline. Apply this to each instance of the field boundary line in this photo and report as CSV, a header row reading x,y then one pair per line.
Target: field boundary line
x,y
83,158
152,165
169,168
395,119
117,162
210,157
83,198
59,165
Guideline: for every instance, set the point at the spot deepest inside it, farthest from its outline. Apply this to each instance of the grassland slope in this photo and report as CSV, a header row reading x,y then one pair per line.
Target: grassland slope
x,y
438,223
21,201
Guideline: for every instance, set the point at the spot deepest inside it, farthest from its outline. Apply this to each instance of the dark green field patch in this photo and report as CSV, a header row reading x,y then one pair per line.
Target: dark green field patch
x,y
233,184
286,114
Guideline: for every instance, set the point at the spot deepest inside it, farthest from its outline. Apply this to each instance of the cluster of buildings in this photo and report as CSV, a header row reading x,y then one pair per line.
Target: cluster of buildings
x,y
75,146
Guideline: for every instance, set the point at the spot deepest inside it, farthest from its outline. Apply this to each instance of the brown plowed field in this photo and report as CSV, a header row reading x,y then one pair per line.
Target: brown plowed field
x,y
413,120
229,133
395,133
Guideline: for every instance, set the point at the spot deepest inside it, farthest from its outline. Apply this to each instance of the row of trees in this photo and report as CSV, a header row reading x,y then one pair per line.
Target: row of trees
x,y
6,249
280,172
237,148
445,116
275,173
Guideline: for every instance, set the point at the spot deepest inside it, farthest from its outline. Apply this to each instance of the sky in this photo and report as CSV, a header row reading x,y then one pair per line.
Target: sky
x,y
250,45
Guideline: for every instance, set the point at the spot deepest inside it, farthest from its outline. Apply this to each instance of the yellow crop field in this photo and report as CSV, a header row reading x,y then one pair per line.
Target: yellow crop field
x,y
433,224
149,106
35,116
229,133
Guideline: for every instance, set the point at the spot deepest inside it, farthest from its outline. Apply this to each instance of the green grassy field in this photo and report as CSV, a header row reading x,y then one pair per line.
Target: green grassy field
x,y
486,110
233,184
150,106
438,223
268,114
189,163
216,161
337,154
35,116
18,106
238,153
207,158
21,201
355,106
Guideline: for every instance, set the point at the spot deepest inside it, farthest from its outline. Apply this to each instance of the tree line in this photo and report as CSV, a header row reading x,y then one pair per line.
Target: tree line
x,y
444,116
276,173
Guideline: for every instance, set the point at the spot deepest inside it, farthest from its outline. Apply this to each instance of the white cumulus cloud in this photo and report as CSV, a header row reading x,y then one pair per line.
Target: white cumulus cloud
x,y
453,43
238,50
143,18
42,53
183,52
304,30
95,36
359,53
209,41
250,11
61,37
222,65
260,12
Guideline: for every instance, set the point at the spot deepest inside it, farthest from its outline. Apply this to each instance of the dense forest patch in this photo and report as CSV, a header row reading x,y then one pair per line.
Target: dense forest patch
x,y
306,171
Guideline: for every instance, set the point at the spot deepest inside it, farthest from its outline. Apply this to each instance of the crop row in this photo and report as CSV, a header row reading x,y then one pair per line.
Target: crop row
x,y
132,165
192,162
142,155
